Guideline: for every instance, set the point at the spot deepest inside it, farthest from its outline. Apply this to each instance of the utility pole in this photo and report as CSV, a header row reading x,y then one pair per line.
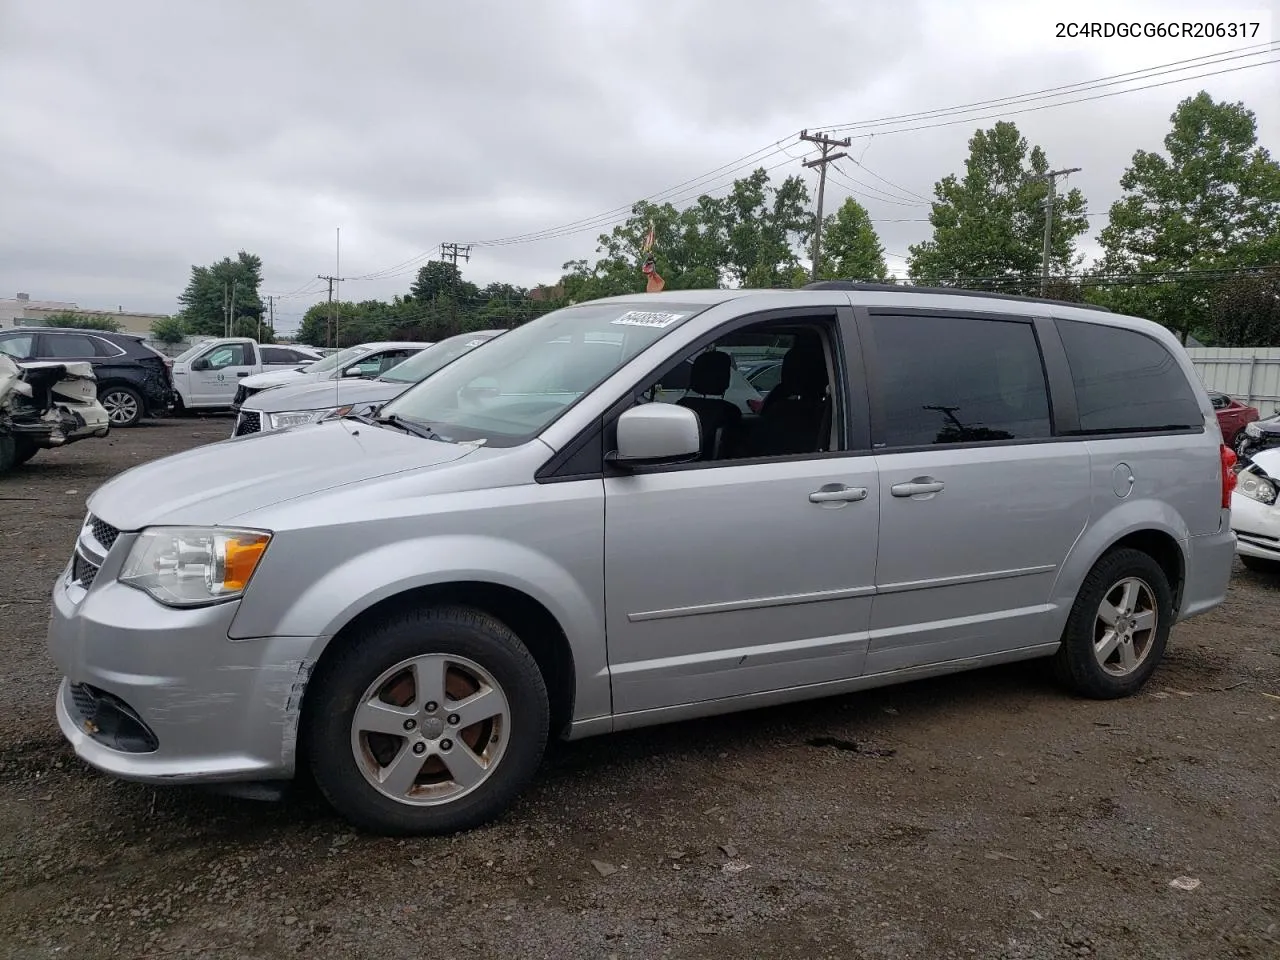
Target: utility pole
x,y
328,340
827,144
450,252
1052,176
271,307
231,317
226,308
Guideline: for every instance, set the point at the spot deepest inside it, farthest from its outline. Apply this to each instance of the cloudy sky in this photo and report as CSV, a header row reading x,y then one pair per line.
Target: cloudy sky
x,y
138,137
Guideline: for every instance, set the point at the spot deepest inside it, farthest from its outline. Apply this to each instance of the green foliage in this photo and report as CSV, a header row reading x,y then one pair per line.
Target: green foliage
x,y
204,301
990,224
1245,312
751,237
1212,202
168,330
83,321
850,248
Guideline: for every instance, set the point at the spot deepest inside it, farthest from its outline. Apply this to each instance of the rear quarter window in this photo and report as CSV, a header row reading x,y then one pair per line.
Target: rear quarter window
x,y
1126,382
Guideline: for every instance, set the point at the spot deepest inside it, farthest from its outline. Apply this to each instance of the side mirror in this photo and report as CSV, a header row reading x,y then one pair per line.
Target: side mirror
x,y
200,364
353,372
655,433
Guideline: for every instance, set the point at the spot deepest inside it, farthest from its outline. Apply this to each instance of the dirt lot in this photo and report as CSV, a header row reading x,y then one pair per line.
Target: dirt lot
x,y
986,815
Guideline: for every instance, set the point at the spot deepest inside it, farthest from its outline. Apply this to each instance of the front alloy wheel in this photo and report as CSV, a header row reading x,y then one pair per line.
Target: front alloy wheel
x,y
428,721
430,729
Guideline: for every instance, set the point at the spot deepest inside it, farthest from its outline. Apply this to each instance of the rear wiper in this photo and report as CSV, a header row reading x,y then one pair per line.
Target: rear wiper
x,y
415,427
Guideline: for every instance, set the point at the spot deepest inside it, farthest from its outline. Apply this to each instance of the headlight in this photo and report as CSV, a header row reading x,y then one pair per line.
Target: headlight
x,y
1252,429
192,566
1256,488
296,418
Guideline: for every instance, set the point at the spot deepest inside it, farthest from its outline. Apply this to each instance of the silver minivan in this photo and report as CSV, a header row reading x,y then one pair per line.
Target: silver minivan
x,y
533,543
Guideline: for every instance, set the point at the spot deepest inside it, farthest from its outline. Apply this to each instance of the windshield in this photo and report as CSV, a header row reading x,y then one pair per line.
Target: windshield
x,y
507,393
426,362
332,361
190,352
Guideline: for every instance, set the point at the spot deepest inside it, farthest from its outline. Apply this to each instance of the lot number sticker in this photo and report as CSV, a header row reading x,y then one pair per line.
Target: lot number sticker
x,y
648,318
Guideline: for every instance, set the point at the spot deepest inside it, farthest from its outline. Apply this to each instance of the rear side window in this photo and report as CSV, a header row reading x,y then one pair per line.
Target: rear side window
x,y
959,380
68,346
1126,381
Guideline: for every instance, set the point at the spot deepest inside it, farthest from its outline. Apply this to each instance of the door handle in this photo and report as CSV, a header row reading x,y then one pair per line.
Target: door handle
x,y
914,488
838,494
245,374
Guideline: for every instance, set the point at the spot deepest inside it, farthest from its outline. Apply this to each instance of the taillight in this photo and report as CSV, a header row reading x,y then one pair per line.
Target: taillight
x,y
755,405
1228,457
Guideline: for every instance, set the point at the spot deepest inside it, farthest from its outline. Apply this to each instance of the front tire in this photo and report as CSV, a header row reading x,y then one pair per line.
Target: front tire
x,y
1118,628
431,721
124,405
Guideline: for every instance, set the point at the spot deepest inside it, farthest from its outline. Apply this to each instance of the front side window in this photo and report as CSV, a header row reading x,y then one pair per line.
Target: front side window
x,y
509,392
336,360
950,380
1126,381
18,347
803,416
230,355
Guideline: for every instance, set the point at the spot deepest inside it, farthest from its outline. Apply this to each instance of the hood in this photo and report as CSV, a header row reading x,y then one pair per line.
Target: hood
x,y
1268,460
216,483
274,378
320,395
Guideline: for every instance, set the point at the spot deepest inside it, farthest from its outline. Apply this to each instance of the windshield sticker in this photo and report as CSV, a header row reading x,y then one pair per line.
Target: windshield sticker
x,y
648,318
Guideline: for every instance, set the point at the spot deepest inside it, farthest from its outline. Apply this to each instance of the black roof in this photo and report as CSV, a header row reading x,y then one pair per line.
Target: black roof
x,y
855,285
36,328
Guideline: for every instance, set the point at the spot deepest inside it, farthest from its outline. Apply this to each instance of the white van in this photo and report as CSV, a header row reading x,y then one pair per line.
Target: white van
x,y
205,377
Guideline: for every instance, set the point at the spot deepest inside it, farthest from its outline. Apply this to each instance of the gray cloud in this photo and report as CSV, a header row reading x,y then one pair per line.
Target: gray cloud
x,y
139,138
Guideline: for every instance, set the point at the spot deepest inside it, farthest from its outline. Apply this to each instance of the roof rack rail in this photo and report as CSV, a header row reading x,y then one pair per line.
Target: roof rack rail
x,y
855,285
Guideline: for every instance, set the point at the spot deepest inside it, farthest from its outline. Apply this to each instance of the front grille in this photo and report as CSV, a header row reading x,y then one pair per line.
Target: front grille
x,y
249,421
111,721
83,570
103,532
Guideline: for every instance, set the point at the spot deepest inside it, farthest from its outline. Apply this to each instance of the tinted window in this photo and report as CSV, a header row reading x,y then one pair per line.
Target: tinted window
x,y
18,347
274,355
1126,381
105,348
67,346
959,380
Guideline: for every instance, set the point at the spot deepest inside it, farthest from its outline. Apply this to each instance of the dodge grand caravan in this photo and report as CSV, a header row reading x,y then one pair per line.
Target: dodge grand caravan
x,y
531,544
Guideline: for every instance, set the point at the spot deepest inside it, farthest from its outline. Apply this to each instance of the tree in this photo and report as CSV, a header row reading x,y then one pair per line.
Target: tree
x,y
1213,202
84,321
1245,311
168,330
850,248
988,228
204,301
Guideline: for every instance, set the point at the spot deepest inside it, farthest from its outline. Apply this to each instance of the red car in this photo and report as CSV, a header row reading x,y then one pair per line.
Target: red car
x,y
1232,416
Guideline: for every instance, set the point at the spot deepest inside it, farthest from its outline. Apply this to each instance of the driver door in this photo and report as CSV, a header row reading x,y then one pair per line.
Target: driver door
x,y
223,367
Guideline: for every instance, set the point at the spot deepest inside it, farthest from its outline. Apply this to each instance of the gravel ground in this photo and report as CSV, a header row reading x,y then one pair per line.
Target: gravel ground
x,y
983,815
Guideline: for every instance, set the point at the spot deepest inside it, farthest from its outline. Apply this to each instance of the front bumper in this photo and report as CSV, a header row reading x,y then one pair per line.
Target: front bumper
x,y
1257,528
215,709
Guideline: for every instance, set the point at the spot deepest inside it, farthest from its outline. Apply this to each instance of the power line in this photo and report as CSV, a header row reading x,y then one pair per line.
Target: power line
x,y
1063,103
1160,69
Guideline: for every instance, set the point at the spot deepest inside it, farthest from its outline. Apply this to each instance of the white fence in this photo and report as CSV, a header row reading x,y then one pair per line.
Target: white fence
x,y
1251,374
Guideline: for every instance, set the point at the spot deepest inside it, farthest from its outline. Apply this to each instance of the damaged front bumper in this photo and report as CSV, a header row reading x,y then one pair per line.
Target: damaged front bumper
x,y
161,695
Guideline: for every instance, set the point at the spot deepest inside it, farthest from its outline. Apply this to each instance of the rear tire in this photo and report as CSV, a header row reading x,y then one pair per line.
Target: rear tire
x,y
8,453
1261,565
1118,629
460,775
24,450
123,405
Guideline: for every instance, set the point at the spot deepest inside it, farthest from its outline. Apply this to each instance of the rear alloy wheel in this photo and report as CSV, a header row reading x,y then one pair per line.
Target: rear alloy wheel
x,y
1118,628
123,405
430,722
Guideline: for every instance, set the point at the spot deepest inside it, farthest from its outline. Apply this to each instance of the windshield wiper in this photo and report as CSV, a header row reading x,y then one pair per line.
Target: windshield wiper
x,y
415,427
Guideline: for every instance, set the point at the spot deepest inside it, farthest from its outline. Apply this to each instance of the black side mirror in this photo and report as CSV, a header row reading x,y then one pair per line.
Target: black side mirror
x,y
200,364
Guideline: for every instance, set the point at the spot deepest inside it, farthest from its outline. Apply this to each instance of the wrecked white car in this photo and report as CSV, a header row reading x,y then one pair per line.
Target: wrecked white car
x,y
45,405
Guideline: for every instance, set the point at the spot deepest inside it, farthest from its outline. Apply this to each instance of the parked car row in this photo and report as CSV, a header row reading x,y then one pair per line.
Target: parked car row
x,y
420,592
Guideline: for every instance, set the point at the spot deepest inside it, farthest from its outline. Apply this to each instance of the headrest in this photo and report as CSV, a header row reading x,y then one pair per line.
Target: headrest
x,y
804,370
711,373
